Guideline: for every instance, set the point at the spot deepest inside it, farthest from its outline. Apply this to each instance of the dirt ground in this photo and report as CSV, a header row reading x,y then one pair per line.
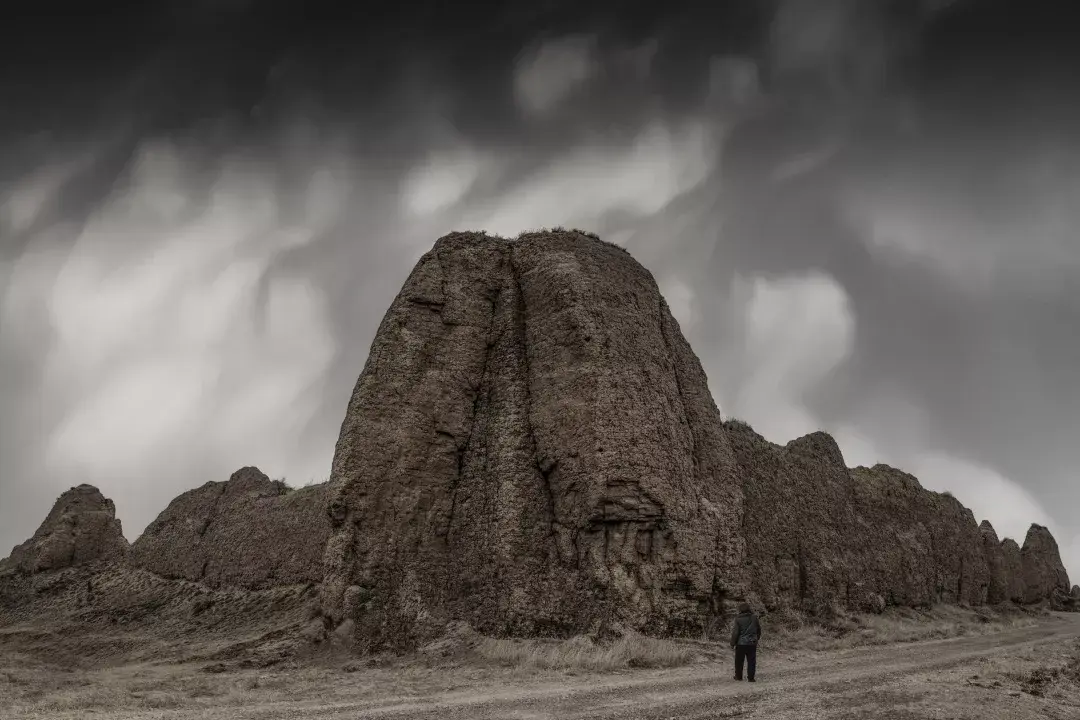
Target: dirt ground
x,y
1011,674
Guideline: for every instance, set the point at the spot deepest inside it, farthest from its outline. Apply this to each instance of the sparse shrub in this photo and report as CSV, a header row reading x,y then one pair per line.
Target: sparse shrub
x,y
737,423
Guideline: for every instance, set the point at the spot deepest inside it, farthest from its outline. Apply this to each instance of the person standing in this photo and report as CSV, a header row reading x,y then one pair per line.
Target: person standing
x,y
745,634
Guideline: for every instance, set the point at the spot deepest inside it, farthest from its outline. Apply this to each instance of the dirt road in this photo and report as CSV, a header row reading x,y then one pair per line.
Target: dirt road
x,y
886,682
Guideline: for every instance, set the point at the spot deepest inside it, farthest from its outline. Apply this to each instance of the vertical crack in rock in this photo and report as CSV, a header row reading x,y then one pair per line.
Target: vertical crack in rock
x,y
544,469
204,523
482,385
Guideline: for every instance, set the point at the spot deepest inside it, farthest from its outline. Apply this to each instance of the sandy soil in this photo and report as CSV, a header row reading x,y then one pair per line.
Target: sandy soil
x,y
1032,672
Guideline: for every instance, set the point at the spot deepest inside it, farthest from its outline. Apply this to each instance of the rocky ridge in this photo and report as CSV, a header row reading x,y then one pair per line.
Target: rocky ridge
x,y
80,528
532,448
250,532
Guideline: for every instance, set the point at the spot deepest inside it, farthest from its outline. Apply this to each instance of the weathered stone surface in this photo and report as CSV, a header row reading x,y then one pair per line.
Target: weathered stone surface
x,y
531,447
997,590
249,532
81,528
1043,572
797,521
820,536
1014,570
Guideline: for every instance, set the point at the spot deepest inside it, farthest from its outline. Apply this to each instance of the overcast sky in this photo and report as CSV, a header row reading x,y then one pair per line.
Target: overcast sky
x,y
862,212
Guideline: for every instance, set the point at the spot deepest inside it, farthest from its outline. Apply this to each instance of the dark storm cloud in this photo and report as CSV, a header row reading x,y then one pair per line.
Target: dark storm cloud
x,y
861,211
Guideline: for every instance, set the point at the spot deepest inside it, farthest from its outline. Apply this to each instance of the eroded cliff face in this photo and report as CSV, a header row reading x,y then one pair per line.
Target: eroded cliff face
x,y
998,589
1014,570
820,536
532,447
798,522
1043,572
249,532
80,528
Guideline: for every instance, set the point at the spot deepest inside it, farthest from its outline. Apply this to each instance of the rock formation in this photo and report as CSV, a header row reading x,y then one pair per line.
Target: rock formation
x,y
998,589
1014,570
531,447
821,537
797,520
249,532
81,528
1043,573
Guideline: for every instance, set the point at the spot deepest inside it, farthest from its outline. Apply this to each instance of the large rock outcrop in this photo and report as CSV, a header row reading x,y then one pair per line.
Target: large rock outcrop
x,y
531,447
821,537
250,532
931,547
797,520
1043,572
81,528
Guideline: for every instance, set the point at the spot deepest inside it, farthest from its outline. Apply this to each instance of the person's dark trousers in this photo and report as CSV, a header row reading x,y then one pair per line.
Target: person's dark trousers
x,y
749,654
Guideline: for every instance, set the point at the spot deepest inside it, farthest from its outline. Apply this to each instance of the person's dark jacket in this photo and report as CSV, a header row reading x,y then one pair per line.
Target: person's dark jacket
x,y
746,630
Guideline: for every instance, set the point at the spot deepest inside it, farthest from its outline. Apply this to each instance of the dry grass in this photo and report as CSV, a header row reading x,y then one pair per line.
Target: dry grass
x,y
895,626
40,691
581,653
1048,672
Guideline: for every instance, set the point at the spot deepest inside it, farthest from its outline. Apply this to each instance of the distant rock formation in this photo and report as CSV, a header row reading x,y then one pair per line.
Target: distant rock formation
x,y
250,532
531,448
81,528
1043,572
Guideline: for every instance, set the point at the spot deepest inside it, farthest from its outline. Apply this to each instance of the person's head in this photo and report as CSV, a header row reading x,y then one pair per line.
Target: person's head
x,y
744,607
